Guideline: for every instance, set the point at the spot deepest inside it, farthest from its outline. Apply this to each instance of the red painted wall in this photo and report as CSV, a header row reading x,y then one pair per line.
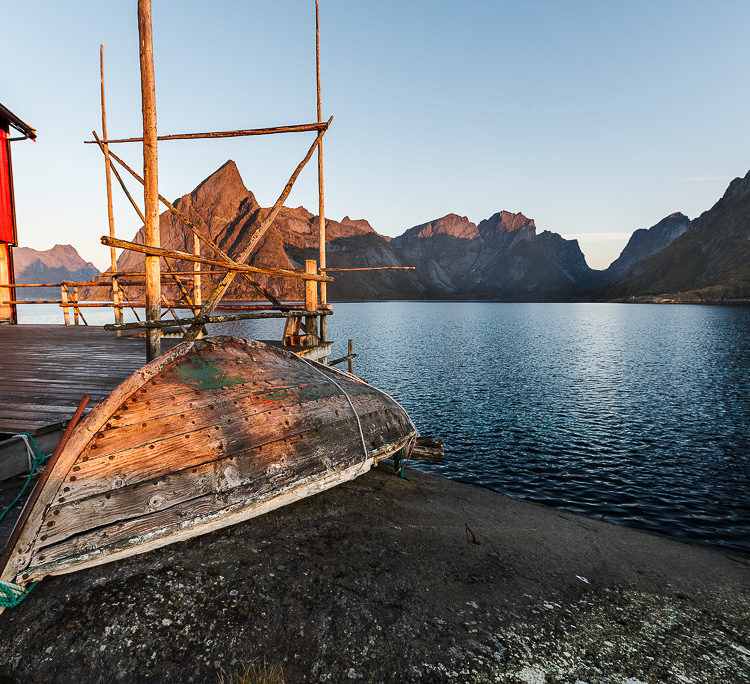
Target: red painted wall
x,y
6,198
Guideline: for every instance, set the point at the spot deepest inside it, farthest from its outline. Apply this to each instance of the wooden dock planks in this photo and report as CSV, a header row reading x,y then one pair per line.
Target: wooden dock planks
x,y
46,369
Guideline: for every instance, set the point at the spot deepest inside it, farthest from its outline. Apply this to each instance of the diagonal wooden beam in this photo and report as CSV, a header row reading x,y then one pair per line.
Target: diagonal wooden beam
x,y
221,288
264,292
177,280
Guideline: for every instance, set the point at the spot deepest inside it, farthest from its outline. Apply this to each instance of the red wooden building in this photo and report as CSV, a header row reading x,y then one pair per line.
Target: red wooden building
x,y
8,121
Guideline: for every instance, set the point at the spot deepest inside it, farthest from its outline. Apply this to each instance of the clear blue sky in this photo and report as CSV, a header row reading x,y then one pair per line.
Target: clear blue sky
x,y
593,118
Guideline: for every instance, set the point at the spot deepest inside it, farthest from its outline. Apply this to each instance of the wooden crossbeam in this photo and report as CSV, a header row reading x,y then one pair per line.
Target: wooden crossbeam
x,y
186,256
296,128
372,268
202,320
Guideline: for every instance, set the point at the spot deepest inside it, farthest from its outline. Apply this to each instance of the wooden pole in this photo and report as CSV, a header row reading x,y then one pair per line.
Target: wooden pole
x,y
64,298
178,282
110,212
311,302
75,308
371,268
150,177
197,292
76,311
321,199
351,355
297,128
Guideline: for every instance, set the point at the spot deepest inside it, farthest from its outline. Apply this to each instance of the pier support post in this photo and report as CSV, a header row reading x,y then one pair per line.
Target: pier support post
x,y
150,185
110,213
76,311
321,196
311,302
64,301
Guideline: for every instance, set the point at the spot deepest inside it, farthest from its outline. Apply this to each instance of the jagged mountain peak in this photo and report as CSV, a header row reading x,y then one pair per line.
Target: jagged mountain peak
x,y
737,189
223,184
452,225
646,241
59,256
362,225
506,222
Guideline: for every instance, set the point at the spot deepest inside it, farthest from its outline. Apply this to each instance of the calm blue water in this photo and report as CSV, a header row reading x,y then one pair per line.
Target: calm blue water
x,y
639,414
636,413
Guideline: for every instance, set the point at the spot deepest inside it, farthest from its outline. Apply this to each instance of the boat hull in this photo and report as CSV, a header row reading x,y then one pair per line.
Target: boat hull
x,y
212,433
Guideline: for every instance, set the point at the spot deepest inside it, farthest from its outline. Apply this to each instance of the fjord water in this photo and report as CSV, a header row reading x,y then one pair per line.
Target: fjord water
x,y
636,413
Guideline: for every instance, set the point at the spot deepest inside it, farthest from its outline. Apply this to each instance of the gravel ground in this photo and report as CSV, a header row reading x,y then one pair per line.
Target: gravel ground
x,y
380,580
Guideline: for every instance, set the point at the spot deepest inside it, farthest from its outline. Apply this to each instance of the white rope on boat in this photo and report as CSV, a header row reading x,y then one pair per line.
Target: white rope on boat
x,y
30,452
356,415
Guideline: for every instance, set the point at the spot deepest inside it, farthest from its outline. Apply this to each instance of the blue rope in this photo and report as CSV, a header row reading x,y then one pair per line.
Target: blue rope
x,y
39,460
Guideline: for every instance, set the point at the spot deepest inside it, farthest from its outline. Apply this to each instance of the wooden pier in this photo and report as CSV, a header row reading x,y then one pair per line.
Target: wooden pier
x,y
46,369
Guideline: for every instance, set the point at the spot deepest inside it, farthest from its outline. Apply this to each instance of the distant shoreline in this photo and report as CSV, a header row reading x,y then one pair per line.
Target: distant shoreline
x,y
643,300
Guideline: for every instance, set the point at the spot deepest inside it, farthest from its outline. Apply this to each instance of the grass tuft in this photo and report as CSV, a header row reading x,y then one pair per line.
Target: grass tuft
x,y
252,673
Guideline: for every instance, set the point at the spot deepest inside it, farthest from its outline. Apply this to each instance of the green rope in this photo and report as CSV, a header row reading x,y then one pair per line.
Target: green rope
x,y
39,460
399,466
12,594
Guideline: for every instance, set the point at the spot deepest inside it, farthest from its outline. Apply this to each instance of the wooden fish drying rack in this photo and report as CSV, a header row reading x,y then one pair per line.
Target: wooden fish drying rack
x,y
305,321
213,431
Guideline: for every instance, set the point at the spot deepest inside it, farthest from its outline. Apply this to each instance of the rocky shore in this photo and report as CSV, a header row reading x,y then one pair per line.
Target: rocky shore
x,y
389,580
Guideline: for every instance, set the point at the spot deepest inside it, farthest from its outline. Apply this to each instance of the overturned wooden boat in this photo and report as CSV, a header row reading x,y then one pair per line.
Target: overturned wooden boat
x,y
211,433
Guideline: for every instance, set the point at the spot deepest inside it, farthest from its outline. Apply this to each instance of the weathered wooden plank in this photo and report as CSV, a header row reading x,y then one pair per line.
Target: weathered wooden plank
x,y
31,407
179,529
239,411
189,449
256,466
39,414
190,513
33,427
427,449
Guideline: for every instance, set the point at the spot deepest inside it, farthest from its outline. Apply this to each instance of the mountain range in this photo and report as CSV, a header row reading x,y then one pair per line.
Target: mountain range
x,y
502,257
61,262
